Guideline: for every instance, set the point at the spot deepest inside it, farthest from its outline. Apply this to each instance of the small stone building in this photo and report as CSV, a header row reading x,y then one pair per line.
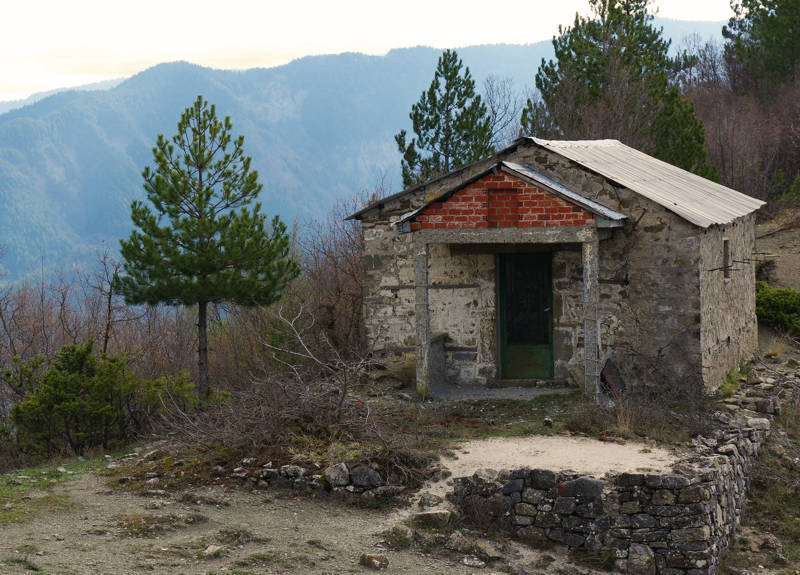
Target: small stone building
x,y
551,260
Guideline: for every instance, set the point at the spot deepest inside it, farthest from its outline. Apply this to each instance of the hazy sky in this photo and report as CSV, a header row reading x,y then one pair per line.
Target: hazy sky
x,y
47,44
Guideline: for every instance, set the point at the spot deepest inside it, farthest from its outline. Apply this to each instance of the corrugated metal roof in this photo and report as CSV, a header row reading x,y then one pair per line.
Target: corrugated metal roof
x,y
694,198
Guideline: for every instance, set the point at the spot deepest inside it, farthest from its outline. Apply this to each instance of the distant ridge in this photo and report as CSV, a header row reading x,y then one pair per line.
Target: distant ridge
x,y
8,105
318,129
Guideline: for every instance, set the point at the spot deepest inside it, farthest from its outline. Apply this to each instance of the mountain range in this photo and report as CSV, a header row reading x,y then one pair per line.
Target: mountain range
x,y
318,129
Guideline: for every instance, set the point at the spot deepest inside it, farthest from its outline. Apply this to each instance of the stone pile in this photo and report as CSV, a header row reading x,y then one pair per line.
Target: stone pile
x,y
362,482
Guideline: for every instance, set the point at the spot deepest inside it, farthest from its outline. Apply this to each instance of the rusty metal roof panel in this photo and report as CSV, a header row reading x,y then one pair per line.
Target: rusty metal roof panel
x,y
692,197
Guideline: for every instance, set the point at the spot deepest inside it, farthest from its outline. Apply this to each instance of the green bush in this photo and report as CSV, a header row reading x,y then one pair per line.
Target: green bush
x,y
82,401
778,307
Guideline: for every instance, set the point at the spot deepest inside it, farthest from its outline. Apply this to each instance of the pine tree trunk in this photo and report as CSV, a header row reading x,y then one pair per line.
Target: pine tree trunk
x,y
109,317
203,388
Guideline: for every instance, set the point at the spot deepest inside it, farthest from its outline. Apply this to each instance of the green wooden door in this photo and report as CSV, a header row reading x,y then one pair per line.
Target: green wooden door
x,y
526,316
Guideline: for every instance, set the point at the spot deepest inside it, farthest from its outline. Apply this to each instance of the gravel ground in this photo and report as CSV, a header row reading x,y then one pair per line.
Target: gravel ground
x,y
294,535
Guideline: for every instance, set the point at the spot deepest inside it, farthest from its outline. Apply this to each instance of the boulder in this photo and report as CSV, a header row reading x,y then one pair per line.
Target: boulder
x,y
486,550
365,477
436,519
429,500
760,423
373,561
458,542
292,471
337,475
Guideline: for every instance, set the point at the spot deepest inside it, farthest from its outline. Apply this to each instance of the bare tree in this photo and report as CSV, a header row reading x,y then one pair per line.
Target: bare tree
x,y
504,106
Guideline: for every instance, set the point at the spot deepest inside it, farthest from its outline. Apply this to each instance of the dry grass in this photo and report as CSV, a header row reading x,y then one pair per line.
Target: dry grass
x,y
22,563
642,417
147,525
26,492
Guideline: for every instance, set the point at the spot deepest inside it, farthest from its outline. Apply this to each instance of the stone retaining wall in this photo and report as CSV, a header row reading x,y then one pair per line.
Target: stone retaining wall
x,y
673,524
362,482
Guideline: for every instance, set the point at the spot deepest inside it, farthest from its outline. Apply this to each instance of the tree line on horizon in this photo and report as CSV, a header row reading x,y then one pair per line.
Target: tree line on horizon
x,y
728,113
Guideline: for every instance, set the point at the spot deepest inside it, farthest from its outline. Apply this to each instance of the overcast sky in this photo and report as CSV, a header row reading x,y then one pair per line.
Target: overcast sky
x,y
47,44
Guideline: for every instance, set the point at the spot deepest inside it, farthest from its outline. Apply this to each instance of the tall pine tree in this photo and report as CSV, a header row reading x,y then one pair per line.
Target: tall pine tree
x,y
611,78
762,48
201,239
450,123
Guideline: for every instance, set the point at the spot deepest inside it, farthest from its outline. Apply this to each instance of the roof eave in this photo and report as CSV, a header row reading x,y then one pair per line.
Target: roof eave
x,y
418,187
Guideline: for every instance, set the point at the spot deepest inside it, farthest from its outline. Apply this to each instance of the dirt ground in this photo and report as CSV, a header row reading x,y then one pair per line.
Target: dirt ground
x,y
559,453
91,531
291,535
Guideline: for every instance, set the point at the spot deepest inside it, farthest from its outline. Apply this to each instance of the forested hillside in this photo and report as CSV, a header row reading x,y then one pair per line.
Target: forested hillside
x,y
318,129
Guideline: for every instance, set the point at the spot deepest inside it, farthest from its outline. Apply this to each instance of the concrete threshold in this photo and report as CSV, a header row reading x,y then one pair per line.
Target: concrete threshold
x,y
463,393
548,383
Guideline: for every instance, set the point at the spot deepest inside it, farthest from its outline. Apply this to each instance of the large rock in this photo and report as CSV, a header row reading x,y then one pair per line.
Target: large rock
x,y
459,542
486,550
435,519
337,475
365,477
429,500
292,471
372,561
759,423
641,560
581,487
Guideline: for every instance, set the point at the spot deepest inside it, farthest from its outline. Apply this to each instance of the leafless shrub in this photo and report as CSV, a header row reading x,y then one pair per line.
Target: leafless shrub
x,y
305,403
752,139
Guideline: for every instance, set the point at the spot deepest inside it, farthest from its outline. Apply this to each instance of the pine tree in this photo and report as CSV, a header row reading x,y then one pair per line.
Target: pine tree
x,y
201,239
450,122
762,47
611,78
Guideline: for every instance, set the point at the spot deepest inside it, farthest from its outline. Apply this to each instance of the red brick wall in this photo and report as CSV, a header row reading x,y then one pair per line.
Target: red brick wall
x,y
501,201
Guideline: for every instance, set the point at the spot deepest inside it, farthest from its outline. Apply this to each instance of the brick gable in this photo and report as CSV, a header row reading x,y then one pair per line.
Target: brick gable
x,y
501,201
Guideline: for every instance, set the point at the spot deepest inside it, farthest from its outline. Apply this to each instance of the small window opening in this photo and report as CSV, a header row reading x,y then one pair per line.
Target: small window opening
x,y
726,259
